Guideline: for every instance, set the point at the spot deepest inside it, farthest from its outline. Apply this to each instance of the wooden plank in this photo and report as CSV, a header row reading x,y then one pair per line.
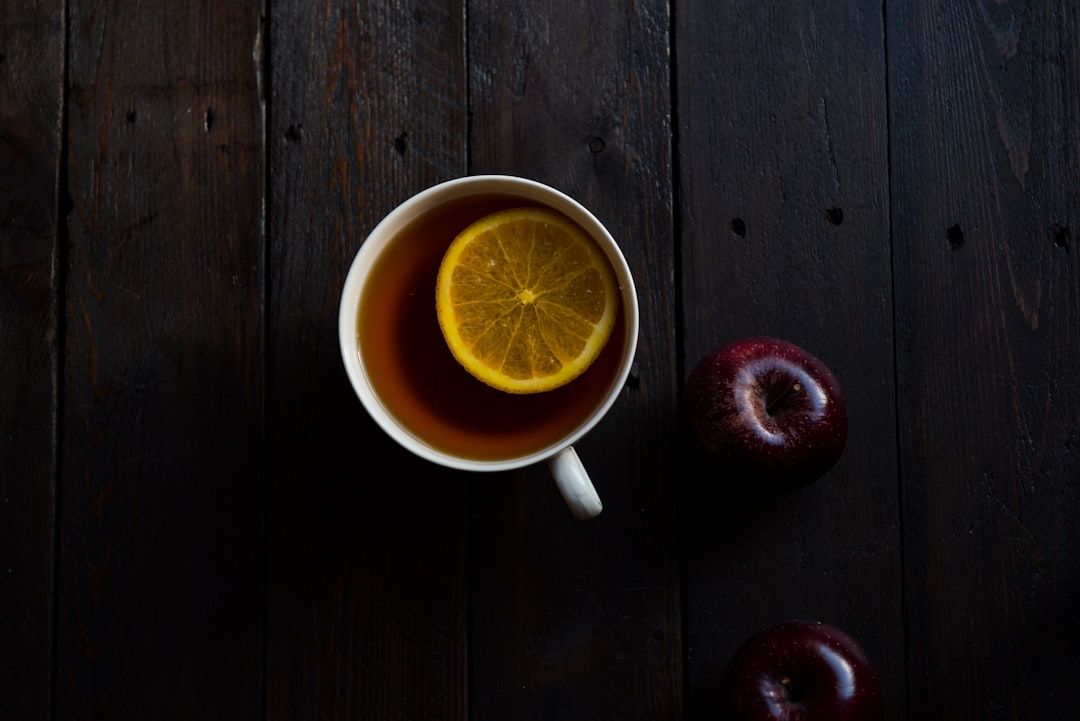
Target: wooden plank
x,y
985,147
31,85
579,619
161,568
784,228
367,607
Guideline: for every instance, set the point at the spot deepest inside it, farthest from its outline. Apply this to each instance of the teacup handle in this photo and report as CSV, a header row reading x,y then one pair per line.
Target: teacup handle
x,y
575,485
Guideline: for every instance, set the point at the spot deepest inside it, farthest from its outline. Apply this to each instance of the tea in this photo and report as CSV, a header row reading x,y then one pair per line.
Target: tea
x,y
418,380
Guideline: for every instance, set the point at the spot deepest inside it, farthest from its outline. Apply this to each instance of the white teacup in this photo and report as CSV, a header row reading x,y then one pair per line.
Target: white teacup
x,y
410,385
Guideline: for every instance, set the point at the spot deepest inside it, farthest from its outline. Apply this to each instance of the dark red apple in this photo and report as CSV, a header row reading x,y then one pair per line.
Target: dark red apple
x,y
766,410
801,671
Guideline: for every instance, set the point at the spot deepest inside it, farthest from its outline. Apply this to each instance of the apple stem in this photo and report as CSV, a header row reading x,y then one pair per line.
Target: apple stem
x,y
771,406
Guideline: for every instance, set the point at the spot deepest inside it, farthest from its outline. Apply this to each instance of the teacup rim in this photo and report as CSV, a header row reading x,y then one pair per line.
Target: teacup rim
x,y
397,218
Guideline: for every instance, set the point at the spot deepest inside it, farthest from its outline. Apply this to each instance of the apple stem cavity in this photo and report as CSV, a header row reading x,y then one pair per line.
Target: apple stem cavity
x,y
777,401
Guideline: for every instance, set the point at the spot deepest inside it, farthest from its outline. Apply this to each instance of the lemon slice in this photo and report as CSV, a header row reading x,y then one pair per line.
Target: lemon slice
x,y
525,299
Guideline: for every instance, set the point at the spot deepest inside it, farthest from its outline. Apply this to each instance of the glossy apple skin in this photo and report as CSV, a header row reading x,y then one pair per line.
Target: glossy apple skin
x,y
767,411
801,671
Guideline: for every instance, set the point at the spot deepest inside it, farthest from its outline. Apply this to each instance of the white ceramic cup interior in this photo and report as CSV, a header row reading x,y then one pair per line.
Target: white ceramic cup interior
x,y
566,467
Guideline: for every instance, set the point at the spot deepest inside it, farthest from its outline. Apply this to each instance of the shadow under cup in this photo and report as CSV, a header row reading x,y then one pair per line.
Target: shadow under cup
x,y
402,369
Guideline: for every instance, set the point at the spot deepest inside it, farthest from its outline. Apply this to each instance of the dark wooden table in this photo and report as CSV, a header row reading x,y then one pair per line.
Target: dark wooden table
x,y
199,521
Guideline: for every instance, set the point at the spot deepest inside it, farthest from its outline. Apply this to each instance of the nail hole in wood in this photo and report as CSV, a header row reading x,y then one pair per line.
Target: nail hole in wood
x,y
1061,237
955,235
130,116
835,216
596,145
401,143
738,227
208,119
294,133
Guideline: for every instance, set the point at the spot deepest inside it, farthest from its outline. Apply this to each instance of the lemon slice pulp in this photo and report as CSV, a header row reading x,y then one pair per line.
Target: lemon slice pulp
x,y
526,300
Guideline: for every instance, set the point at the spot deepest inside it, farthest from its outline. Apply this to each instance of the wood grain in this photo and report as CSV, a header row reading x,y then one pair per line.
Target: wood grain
x,y
367,603
583,620
31,89
199,521
783,173
161,562
985,167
